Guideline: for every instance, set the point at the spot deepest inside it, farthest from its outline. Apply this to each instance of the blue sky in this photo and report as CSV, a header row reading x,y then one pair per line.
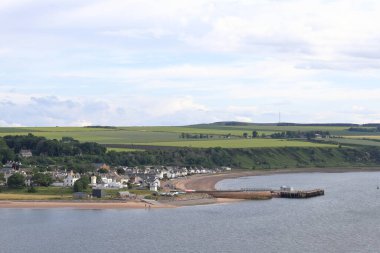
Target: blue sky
x,y
170,62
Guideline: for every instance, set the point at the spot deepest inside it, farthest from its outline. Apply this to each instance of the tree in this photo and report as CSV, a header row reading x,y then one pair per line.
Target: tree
x,y
42,179
2,178
254,134
245,135
17,180
102,171
120,171
81,184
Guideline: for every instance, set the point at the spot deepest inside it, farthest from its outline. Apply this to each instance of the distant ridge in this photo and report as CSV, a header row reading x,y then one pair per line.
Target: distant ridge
x,y
238,123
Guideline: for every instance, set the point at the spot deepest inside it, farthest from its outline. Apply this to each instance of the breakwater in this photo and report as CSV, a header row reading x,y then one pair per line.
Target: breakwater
x,y
264,194
250,195
299,194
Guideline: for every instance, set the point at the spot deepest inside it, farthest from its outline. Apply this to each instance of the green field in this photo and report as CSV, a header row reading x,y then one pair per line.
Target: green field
x,y
357,142
241,143
170,135
123,149
43,193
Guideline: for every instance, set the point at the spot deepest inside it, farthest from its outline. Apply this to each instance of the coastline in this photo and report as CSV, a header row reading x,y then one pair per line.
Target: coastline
x,y
195,182
208,182
79,204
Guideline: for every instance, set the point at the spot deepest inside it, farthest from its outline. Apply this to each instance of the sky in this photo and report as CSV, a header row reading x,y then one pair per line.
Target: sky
x,y
180,62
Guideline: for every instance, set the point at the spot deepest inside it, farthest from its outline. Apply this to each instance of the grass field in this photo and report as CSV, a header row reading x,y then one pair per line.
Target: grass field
x,y
170,135
240,143
360,142
43,193
40,191
123,149
14,196
373,137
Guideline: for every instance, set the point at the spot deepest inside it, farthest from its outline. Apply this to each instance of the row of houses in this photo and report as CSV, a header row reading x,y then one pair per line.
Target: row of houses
x,y
143,177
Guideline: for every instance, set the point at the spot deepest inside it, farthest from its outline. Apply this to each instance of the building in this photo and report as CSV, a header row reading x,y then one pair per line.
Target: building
x,y
98,193
70,179
25,153
93,181
103,166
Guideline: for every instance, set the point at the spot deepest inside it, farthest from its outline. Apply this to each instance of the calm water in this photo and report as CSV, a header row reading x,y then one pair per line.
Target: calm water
x,y
346,219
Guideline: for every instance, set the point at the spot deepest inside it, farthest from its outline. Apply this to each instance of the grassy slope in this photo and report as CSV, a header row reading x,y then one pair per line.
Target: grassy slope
x,y
269,158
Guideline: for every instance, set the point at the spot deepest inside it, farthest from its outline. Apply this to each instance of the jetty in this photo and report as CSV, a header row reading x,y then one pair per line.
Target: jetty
x,y
299,194
264,193
238,194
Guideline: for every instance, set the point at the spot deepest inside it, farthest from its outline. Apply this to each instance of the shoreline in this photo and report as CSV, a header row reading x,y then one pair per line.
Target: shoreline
x,y
195,182
208,182
43,204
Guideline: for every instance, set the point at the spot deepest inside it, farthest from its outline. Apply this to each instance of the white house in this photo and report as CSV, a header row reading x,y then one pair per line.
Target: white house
x,y
106,180
70,179
153,186
93,181
26,153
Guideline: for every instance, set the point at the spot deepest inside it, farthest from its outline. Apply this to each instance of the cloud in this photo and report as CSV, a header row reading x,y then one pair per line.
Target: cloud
x,y
56,111
177,62
138,33
48,111
11,4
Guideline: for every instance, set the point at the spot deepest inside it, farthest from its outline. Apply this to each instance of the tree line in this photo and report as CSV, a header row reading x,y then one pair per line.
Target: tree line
x,y
67,146
300,134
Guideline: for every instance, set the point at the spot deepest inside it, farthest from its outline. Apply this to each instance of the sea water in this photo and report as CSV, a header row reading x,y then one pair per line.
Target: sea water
x,y
346,219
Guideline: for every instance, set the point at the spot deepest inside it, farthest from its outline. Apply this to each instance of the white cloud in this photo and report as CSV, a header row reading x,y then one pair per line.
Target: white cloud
x,y
243,119
11,4
138,33
166,61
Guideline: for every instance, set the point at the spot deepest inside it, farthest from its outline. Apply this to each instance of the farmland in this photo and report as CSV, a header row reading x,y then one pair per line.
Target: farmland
x,y
209,146
357,142
241,143
214,135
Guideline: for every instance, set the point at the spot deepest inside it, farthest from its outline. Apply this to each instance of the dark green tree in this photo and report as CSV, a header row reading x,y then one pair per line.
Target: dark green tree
x,y
42,179
81,184
2,178
254,134
102,171
120,171
17,181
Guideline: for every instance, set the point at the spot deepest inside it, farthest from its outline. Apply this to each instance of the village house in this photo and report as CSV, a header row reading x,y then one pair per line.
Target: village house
x,y
70,179
93,181
99,166
154,184
25,153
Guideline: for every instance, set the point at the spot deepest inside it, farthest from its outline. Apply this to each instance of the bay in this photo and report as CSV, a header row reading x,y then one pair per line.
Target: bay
x,y
346,219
